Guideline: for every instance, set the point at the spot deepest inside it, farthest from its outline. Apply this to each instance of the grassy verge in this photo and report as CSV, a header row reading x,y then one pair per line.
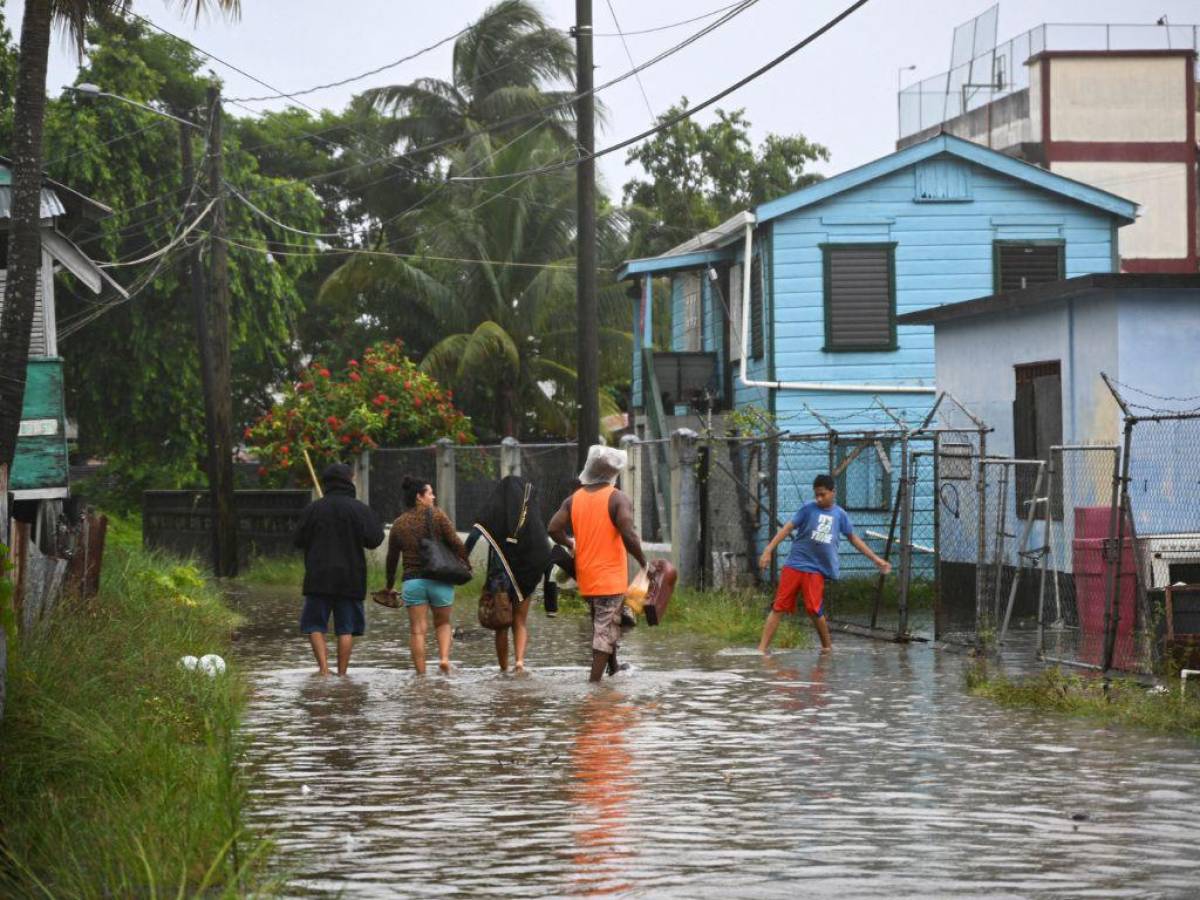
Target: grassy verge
x,y
1117,701
731,617
118,771
288,571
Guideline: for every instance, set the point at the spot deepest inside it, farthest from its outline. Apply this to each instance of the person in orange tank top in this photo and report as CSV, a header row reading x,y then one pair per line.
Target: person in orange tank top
x,y
596,524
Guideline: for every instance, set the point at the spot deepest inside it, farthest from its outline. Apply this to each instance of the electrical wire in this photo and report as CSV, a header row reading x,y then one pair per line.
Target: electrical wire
x,y
166,248
332,84
357,251
668,27
691,111
538,114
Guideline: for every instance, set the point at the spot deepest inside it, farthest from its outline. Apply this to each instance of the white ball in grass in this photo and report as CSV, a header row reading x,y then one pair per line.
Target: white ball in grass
x,y
212,665
188,662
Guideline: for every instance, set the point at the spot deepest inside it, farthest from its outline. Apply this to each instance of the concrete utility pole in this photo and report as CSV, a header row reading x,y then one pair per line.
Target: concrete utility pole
x,y
588,365
220,435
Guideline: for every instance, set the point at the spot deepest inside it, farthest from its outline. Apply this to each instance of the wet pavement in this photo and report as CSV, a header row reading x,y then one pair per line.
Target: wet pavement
x,y
702,771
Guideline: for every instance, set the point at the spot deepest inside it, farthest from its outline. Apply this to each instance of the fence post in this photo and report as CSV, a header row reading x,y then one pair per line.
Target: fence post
x,y
685,511
445,476
980,533
510,457
1116,529
631,481
362,474
906,510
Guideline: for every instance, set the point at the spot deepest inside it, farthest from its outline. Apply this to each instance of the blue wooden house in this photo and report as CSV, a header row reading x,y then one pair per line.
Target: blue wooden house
x,y
793,306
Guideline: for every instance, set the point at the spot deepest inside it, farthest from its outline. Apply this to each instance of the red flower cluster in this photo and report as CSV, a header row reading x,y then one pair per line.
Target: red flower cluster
x,y
380,399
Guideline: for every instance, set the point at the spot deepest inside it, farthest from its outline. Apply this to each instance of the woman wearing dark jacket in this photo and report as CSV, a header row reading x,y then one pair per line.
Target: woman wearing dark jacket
x,y
333,533
420,520
511,523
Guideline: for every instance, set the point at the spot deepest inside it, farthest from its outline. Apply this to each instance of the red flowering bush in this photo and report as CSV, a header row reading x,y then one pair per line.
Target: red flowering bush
x,y
382,401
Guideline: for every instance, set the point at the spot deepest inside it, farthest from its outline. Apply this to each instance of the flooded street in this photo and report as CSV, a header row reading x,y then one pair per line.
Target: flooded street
x,y
703,771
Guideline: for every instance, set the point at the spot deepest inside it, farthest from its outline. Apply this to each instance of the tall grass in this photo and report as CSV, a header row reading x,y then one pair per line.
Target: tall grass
x,y
1160,709
733,617
118,768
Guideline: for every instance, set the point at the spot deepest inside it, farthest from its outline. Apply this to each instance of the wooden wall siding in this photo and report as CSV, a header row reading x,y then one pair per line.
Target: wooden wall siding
x,y
944,253
41,460
942,181
37,341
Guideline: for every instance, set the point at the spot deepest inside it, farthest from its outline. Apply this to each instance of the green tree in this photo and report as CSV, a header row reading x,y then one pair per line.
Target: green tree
x,y
495,281
501,68
132,371
697,176
24,256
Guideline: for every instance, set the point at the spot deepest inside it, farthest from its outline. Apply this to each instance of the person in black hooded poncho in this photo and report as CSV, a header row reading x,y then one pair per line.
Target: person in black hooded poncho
x,y
512,521
333,533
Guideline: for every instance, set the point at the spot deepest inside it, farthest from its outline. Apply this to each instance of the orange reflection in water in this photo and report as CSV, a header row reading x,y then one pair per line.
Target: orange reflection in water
x,y
602,785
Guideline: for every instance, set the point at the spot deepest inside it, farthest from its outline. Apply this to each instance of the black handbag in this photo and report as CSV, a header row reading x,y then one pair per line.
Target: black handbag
x,y
439,562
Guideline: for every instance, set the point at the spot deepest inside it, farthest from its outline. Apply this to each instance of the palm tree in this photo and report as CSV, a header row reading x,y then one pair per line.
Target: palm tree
x,y
506,320
25,248
500,65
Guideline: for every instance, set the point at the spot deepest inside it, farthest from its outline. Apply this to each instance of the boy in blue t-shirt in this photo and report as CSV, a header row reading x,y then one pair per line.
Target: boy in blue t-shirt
x,y
813,558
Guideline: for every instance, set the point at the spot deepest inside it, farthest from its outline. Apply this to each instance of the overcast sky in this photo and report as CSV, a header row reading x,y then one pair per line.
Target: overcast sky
x,y
840,91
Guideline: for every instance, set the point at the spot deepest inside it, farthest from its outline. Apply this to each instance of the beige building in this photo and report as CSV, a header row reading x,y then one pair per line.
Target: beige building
x,y
1124,120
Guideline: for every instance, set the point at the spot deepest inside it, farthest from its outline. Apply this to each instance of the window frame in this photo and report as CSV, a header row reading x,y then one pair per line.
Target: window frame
x,y
1060,243
827,250
843,450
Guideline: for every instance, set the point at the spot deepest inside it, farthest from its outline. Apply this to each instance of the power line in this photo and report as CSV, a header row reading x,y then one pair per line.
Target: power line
x,y
353,78
538,114
691,111
166,248
356,251
668,27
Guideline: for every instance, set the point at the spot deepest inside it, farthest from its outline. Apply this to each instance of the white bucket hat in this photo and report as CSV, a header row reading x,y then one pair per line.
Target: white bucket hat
x,y
603,465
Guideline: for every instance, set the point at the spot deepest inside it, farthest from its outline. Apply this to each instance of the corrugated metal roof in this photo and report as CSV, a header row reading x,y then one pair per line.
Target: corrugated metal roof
x,y
52,207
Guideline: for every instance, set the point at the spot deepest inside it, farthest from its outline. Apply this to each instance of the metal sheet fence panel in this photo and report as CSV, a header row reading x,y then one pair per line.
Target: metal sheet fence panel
x,y
1072,595
476,471
553,469
388,468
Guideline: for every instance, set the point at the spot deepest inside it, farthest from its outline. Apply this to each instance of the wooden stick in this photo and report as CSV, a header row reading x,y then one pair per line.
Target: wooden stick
x,y
312,472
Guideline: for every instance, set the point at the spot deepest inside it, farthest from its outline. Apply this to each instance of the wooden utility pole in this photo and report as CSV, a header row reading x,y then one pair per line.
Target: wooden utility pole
x,y
588,364
195,276
220,438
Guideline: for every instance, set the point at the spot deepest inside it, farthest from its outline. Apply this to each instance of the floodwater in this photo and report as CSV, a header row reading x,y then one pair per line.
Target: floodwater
x,y
701,772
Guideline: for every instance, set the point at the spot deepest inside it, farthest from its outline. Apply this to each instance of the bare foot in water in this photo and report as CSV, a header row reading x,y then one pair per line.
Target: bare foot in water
x,y
444,665
519,668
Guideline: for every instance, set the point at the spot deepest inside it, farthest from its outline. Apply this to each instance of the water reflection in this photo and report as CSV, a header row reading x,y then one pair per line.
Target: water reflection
x,y
705,771
602,765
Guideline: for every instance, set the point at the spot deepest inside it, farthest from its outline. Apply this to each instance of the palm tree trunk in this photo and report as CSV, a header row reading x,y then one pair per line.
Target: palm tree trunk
x,y
25,242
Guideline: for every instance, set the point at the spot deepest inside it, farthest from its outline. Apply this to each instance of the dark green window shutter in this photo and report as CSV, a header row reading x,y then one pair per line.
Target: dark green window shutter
x,y
756,308
1023,265
860,297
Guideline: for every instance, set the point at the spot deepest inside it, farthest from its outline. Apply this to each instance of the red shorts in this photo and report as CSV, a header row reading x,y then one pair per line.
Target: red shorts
x,y
811,585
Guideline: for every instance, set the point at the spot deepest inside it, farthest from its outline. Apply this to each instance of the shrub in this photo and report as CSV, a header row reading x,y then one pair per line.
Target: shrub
x,y
382,400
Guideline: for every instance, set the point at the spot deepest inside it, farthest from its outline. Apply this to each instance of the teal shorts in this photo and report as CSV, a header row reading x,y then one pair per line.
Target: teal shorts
x,y
419,591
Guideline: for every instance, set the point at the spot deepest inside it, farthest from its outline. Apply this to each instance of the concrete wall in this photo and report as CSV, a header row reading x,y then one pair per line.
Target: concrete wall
x,y
1118,98
1158,345
1159,188
976,359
